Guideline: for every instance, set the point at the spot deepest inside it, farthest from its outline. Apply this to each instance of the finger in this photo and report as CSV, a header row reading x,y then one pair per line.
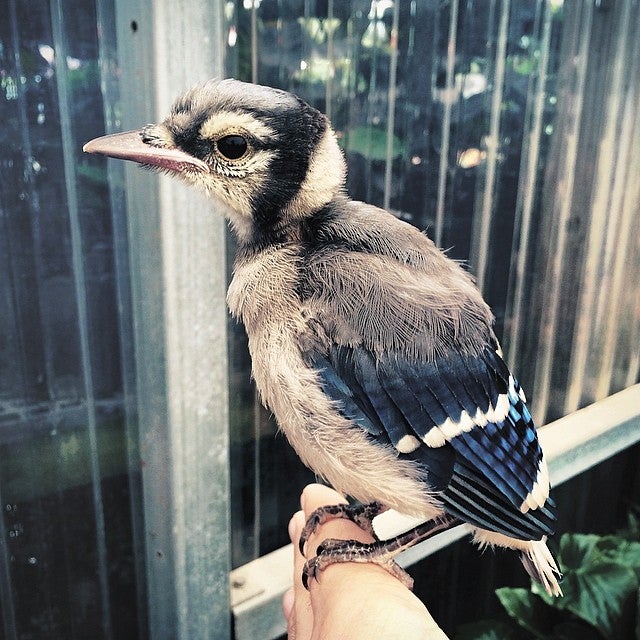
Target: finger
x,y
288,604
296,603
318,495
296,524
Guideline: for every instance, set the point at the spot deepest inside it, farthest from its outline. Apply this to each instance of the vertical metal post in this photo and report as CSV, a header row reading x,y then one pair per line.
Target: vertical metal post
x,y
328,91
481,240
522,245
603,248
391,106
254,42
177,246
562,205
108,61
446,124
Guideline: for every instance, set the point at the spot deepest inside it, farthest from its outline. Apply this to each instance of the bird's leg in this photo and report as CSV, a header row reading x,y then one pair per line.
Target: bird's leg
x,y
361,514
380,552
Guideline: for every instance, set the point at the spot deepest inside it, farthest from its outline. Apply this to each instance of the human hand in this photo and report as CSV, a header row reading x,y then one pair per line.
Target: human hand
x,y
349,601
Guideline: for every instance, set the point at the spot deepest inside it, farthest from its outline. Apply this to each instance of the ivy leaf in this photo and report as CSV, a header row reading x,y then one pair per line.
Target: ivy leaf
x,y
632,530
596,588
526,609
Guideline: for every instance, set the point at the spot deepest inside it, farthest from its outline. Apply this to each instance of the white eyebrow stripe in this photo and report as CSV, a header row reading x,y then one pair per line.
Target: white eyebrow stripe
x,y
229,122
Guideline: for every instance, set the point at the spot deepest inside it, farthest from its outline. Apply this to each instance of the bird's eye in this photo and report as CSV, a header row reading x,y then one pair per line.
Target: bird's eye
x,y
232,147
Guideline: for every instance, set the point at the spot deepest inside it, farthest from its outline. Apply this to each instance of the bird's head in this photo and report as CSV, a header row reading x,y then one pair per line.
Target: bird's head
x,y
266,154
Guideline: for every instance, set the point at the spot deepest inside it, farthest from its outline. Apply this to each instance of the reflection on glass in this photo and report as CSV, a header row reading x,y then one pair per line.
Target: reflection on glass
x,y
66,553
457,117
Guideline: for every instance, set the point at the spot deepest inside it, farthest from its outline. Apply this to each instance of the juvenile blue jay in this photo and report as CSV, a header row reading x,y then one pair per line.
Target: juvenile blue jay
x,y
374,350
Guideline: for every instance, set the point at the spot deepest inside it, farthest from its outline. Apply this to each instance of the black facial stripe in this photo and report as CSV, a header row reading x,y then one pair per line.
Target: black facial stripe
x,y
188,138
298,129
197,147
304,130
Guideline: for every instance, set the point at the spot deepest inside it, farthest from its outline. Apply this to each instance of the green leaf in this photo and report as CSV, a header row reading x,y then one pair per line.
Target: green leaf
x,y
596,588
577,549
487,630
617,549
526,609
632,531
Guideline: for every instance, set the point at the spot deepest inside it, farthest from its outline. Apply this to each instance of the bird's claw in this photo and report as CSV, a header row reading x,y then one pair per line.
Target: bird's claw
x,y
310,570
330,551
361,515
334,551
380,552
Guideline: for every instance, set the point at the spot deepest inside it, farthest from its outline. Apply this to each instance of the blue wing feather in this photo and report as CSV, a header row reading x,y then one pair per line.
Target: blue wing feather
x,y
477,448
388,413
455,374
485,471
344,392
401,372
403,396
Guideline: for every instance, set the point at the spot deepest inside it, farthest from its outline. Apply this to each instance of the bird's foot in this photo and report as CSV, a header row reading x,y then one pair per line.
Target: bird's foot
x,y
361,514
380,552
333,551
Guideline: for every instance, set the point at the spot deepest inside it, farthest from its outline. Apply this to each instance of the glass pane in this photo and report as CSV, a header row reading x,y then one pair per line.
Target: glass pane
x,y
487,124
580,251
66,552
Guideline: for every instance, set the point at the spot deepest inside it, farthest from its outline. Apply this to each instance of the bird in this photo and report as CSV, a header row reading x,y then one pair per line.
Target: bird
x,y
374,350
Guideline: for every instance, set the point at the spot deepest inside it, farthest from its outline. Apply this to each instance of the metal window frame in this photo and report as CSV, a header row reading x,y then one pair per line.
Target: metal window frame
x,y
573,444
178,287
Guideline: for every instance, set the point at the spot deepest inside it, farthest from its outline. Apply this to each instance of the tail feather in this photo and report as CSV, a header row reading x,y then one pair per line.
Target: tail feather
x,y
541,566
534,554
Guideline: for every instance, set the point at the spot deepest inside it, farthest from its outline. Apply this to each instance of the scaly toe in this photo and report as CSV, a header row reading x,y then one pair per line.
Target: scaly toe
x,y
334,551
361,515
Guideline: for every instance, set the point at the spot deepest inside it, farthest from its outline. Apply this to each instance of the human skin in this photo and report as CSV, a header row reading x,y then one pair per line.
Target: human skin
x,y
349,601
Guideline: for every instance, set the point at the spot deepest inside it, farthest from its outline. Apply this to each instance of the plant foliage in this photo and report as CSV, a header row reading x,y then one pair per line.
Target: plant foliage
x,y
601,587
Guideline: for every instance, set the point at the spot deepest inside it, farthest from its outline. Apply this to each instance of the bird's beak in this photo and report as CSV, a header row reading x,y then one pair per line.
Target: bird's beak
x,y
129,146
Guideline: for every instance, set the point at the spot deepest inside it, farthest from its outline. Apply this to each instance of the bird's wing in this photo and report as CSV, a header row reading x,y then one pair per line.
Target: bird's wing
x,y
462,417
